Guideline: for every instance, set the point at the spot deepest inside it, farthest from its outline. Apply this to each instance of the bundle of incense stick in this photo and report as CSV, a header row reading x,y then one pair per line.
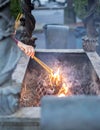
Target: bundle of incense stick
x,y
17,21
47,68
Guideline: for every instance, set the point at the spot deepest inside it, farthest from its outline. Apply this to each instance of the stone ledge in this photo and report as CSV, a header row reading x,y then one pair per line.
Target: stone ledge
x,y
95,60
27,118
20,70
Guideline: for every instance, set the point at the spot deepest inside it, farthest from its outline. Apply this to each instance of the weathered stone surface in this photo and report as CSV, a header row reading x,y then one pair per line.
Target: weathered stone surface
x,y
9,98
95,60
70,113
23,119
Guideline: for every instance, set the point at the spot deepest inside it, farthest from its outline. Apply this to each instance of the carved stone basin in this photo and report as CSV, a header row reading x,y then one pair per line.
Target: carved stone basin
x,y
80,68
77,69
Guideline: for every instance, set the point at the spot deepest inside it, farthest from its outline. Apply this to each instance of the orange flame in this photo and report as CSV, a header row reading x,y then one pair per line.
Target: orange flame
x,y
56,80
64,91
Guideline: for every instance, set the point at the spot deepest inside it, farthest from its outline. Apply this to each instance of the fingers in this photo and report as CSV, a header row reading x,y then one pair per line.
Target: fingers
x,y
21,46
29,50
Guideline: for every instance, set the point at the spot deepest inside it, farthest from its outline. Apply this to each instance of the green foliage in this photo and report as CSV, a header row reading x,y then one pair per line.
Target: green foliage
x,y
15,7
80,7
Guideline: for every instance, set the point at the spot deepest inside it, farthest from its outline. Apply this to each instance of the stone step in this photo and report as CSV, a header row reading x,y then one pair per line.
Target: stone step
x,y
27,118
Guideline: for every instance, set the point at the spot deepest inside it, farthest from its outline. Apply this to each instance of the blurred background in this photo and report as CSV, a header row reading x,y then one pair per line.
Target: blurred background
x,y
67,21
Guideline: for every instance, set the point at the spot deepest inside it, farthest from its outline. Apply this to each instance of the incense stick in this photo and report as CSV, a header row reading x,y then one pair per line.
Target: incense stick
x,y
17,21
19,16
48,69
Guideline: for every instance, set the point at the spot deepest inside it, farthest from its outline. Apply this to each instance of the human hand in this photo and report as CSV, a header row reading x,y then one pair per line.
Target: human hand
x,y
28,49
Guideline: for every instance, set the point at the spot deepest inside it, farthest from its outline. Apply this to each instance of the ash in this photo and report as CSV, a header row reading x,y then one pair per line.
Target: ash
x,y
80,78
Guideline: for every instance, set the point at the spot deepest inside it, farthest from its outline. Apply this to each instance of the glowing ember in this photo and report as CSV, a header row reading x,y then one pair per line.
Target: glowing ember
x,y
64,91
